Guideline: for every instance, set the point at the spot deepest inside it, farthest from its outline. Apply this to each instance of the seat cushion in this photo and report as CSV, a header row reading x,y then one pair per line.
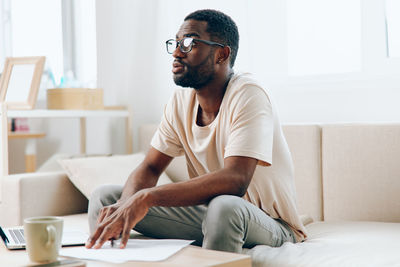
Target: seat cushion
x,y
336,244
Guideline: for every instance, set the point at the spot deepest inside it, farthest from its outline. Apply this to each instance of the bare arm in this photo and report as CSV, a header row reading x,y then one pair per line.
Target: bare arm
x,y
146,174
233,179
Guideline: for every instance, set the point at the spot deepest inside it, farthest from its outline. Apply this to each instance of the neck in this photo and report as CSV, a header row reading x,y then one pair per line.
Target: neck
x,y
210,96
210,99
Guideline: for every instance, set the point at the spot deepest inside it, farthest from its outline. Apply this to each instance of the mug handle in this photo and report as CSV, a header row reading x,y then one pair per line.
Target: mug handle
x,y
51,235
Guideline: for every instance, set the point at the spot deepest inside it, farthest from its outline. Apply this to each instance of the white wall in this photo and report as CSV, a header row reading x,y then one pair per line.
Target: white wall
x,y
340,101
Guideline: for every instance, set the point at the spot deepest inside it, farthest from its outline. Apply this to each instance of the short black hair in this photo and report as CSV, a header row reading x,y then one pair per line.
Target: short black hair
x,y
221,27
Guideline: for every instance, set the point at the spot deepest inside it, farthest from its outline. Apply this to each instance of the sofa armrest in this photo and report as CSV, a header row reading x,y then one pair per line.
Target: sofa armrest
x,y
37,194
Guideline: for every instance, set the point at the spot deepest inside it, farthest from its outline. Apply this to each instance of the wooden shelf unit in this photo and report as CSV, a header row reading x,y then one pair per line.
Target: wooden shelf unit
x,y
24,135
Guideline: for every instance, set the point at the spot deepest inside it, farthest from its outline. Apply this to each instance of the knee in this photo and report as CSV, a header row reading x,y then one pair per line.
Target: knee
x,y
225,205
99,193
223,225
103,195
106,194
224,210
96,199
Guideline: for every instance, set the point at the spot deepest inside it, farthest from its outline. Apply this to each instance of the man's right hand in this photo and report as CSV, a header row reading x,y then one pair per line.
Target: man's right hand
x,y
121,220
144,176
107,211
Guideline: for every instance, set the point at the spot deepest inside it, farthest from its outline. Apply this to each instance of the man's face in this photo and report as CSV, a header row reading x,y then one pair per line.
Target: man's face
x,y
196,68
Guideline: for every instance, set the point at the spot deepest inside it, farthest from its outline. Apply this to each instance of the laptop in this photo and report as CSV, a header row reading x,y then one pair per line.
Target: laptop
x,y
13,237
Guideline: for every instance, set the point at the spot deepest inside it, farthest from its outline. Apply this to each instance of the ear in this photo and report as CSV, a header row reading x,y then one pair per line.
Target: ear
x,y
223,54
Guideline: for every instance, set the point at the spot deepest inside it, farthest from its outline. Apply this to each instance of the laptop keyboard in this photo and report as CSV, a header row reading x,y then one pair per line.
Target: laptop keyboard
x,y
17,235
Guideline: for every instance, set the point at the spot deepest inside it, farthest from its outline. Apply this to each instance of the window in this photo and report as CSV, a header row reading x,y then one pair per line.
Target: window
x,y
62,30
36,30
324,36
5,30
393,27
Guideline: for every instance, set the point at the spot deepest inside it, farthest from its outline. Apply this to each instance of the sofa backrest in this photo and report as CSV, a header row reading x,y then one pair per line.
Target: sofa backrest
x,y
304,143
342,171
361,172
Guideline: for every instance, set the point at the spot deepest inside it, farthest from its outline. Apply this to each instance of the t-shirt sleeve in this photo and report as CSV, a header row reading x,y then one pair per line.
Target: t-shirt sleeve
x,y
166,139
252,125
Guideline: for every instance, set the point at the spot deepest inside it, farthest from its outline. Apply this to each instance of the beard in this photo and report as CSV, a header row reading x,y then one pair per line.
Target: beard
x,y
198,76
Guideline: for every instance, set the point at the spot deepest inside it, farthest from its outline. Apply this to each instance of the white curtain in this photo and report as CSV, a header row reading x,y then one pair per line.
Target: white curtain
x,y
5,28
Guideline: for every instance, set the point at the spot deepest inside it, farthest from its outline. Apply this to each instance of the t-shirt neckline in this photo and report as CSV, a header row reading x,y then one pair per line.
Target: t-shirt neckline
x,y
196,107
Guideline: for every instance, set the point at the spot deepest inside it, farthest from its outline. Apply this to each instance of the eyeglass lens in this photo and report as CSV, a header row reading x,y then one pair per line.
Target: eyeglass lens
x,y
185,45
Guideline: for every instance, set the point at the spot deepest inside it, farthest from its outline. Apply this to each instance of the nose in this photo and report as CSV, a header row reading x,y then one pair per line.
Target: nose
x,y
178,53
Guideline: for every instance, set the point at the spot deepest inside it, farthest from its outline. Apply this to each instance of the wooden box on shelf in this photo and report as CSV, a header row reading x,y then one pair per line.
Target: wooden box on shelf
x,y
75,98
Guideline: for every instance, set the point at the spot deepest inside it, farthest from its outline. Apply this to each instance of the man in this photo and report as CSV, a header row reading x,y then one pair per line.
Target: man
x,y
225,125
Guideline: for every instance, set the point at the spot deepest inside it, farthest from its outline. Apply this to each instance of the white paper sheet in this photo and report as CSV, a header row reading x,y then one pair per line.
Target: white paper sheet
x,y
136,250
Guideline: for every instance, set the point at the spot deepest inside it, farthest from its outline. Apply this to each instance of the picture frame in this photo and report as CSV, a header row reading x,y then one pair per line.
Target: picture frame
x,y
20,81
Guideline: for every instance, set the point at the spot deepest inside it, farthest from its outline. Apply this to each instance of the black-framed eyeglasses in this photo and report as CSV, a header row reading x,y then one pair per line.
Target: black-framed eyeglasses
x,y
186,44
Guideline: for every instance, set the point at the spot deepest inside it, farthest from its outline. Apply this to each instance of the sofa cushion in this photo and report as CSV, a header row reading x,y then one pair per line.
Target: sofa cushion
x,y
345,244
88,173
52,164
305,146
361,172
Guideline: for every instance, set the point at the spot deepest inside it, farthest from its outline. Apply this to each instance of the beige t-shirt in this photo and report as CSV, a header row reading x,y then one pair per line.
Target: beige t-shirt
x,y
246,125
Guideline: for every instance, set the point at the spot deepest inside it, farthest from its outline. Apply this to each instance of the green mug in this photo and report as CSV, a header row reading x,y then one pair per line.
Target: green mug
x,y
43,237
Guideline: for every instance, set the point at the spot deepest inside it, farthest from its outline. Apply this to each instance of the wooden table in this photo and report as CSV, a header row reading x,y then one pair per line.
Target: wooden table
x,y
190,256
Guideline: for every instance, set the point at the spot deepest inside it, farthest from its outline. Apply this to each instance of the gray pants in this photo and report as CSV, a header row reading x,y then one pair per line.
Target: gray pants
x,y
227,223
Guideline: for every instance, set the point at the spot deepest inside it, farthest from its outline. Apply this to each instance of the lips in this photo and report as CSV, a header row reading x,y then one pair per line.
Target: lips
x,y
177,67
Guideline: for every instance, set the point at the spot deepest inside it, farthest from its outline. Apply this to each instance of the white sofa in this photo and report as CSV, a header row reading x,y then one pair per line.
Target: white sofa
x,y
348,191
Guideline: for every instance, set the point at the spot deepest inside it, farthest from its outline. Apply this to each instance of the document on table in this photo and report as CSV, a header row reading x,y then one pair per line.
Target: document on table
x,y
135,250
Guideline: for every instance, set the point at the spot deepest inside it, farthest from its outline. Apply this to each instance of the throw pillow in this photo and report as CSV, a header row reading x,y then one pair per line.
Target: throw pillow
x,y
88,173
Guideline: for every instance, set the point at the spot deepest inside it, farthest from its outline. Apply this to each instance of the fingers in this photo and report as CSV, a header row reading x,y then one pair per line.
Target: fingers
x,y
125,234
106,235
101,216
116,220
117,236
104,213
109,229
93,238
